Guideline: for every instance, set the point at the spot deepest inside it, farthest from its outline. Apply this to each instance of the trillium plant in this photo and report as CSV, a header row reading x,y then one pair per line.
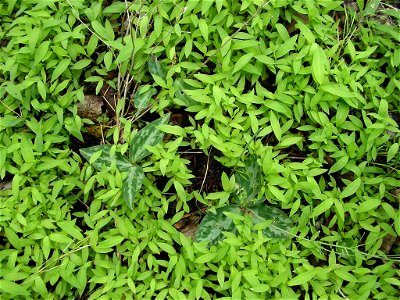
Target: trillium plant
x,y
273,221
101,155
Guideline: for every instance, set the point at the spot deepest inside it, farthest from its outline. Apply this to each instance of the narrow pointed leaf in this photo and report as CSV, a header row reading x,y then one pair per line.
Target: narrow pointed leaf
x,y
122,163
212,226
281,222
149,135
132,184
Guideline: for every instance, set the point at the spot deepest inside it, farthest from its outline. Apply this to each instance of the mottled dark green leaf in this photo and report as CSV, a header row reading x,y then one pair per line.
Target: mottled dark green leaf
x,y
149,135
122,163
248,181
212,226
281,222
156,68
132,184
142,99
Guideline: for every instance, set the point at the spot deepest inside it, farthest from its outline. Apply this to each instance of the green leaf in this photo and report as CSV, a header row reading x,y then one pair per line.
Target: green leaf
x,y
131,184
337,90
13,90
156,68
393,150
289,141
149,135
322,207
212,226
351,188
203,29
110,242
281,224
339,165
61,67
103,32
242,62
142,98
248,181
318,64
122,163
302,278
11,288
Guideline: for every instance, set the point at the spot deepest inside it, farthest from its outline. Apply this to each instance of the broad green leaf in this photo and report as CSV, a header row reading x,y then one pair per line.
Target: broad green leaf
x,y
61,67
149,135
281,224
11,288
302,278
306,32
142,98
393,150
131,185
242,62
368,205
339,165
203,29
122,163
103,32
289,141
212,226
276,127
318,64
248,181
156,68
13,90
322,207
337,90
110,242
351,188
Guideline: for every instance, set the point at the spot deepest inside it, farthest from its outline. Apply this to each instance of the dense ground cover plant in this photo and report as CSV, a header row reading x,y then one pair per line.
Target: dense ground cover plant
x,y
310,90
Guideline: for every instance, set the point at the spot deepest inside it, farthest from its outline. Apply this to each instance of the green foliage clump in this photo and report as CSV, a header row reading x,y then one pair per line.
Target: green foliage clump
x,y
300,99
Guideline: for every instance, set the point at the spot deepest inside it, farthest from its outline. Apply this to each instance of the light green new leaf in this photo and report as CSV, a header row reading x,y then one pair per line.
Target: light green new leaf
x,y
351,188
242,62
203,29
318,64
149,135
142,99
212,226
13,289
393,150
13,90
61,67
281,224
302,278
337,90
132,184
156,68
122,163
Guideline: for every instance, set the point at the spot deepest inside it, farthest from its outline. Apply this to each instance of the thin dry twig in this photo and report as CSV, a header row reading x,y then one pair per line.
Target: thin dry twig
x,y
206,173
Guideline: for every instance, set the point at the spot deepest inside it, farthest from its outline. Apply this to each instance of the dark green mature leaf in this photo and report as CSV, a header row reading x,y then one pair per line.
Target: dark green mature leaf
x,y
212,226
156,68
149,135
122,163
132,184
281,222
248,181
142,99
180,94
